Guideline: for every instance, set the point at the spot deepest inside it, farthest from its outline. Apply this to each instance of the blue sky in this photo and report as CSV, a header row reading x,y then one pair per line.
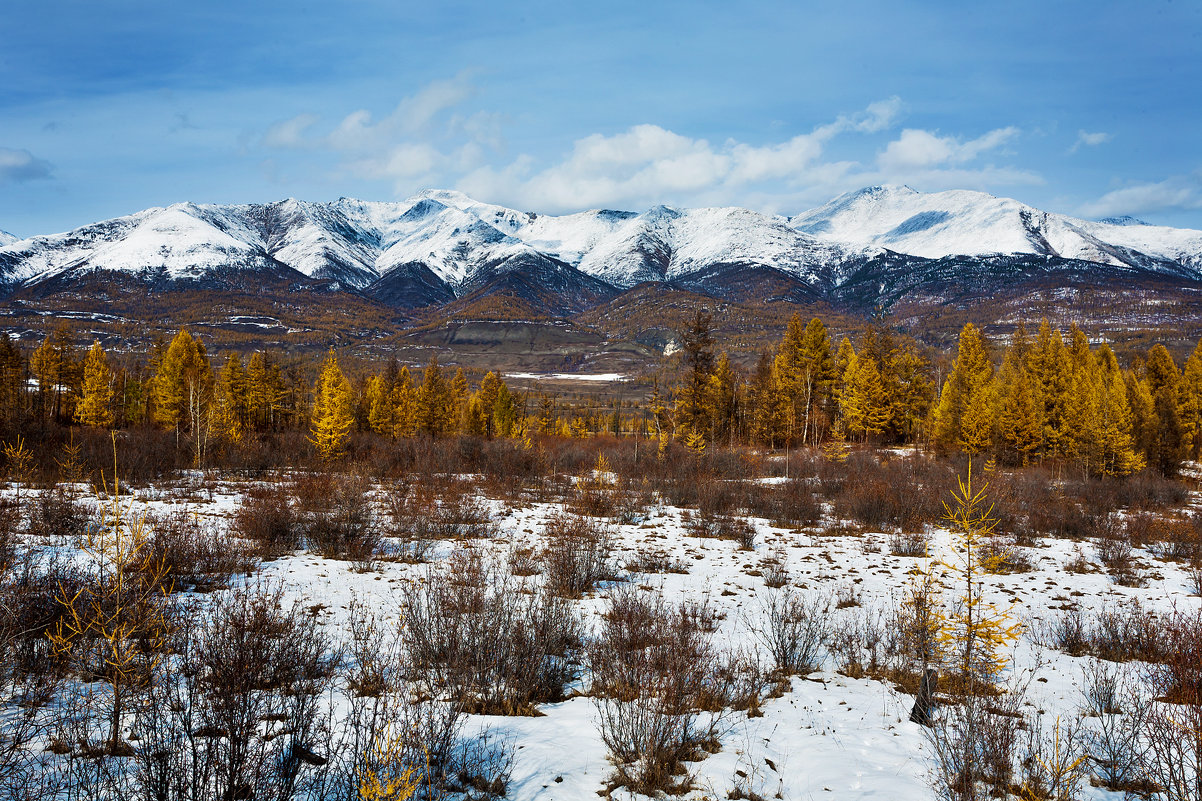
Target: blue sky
x,y
1088,108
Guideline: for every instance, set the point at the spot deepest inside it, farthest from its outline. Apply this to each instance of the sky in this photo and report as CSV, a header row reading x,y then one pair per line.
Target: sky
x,y
1086,108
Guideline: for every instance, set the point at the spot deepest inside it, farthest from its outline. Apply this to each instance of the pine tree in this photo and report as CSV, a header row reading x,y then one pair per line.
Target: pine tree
x,y
95,408
333,413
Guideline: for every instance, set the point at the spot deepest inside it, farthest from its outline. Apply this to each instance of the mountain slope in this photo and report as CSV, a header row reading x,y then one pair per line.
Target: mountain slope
x,y
442,255
965,223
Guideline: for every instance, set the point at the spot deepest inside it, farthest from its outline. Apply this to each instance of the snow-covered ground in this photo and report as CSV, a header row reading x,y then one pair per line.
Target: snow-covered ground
x,y
829,736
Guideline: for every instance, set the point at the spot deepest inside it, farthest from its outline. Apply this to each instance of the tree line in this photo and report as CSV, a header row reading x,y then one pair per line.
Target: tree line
x,y
1052,397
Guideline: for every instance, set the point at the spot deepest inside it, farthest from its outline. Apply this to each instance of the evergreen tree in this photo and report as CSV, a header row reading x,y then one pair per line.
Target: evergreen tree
x,y
490,386
95,408
722,399
333,412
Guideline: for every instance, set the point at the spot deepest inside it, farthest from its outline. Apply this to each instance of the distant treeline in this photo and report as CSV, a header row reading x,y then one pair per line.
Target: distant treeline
x,y
1051,397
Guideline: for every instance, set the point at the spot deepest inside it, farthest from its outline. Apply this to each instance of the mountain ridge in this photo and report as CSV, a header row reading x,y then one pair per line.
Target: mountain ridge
x,y
442,254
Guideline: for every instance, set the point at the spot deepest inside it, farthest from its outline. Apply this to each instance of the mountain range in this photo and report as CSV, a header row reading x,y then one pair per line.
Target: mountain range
x,y
881,248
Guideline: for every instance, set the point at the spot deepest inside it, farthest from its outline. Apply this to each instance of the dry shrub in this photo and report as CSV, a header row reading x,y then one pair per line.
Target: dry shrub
x,y
721,527
974,745
1119,633
57,516
474,631
910,543
238,711
337,518
793,628
30,607
860,643
197,555
660,687
1174,722
267,519
576,556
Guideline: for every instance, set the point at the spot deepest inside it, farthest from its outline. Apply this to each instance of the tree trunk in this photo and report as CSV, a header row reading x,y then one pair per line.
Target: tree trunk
x,y
924,703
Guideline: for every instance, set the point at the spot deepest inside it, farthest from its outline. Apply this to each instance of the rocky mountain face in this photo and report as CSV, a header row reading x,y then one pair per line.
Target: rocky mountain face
x,y
881,248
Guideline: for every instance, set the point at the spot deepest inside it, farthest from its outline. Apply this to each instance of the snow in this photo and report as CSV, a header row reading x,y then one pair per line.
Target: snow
x,y
601,377
355,242
962,222
828,736
7,239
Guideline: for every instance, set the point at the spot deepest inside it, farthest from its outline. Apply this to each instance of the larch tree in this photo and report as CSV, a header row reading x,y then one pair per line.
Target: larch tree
x,y
1164,384
404,405
183,390
971,373
863,403
697,351
333,410
377,397
975,632
434,405
1019,427
95,407
1116,444
1191,403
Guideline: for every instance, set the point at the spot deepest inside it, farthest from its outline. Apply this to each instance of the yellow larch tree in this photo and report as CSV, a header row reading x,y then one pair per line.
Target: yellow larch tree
x,y
95,408
404,405
333,411
975,632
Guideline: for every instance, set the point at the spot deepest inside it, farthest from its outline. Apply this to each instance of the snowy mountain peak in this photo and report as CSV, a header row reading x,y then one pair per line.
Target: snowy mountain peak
x,y
7,239
969,223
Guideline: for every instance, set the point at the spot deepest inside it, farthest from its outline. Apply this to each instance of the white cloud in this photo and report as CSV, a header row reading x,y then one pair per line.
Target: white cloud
x,y
18,166
432,138
919,149
1086,139
290,133
1179,192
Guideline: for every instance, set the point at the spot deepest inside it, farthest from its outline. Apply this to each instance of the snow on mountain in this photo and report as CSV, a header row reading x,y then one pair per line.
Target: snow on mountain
x,y
6,238
439,243
967,223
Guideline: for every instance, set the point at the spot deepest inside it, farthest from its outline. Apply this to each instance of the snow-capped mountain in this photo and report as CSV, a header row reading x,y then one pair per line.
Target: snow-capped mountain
x,y
964,223
6,238
441,245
